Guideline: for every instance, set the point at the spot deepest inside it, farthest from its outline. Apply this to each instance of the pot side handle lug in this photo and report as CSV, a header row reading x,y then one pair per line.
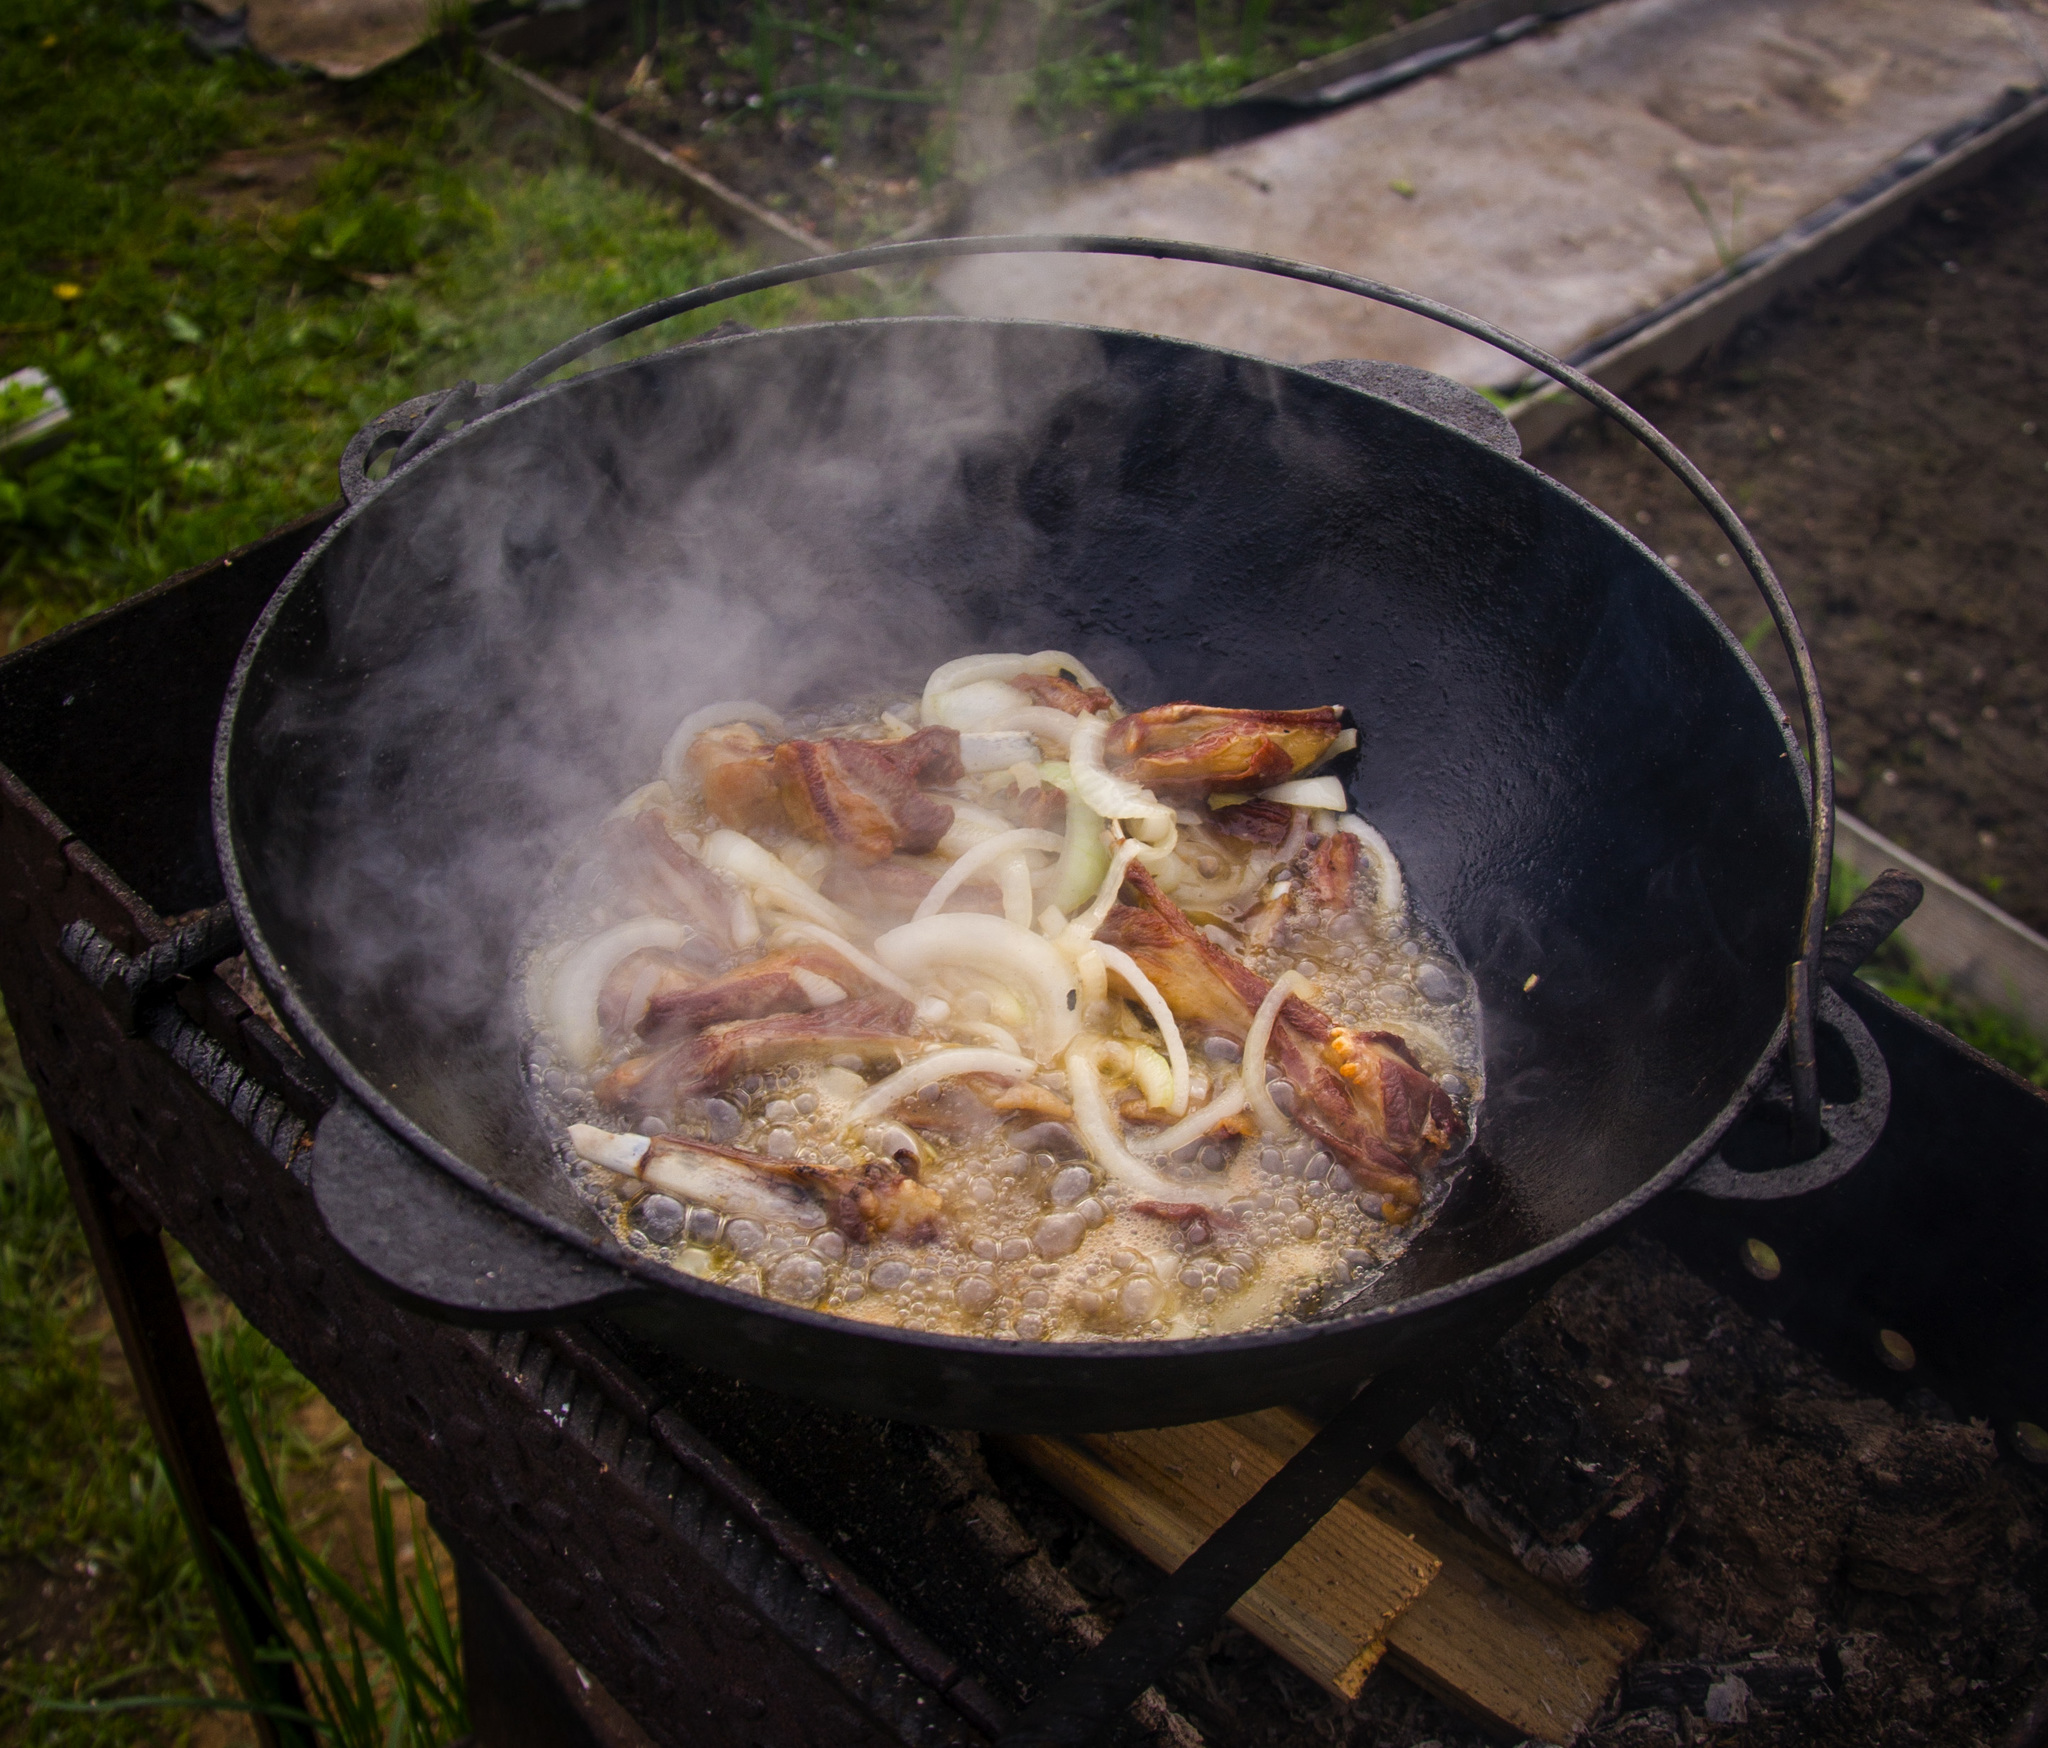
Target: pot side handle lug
x,y
437,1247
1851,1127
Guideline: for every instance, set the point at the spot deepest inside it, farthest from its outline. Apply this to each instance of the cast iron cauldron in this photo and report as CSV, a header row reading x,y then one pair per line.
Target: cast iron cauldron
x,y
1591,789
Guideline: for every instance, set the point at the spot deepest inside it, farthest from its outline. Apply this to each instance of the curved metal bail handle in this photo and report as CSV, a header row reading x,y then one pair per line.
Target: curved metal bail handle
x,y
1803,973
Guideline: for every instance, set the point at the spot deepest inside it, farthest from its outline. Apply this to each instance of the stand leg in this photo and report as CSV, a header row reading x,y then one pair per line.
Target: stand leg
x,y
136,1279
524,1689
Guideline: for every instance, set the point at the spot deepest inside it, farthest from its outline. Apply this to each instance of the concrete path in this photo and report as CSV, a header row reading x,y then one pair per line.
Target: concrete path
x,y
1555,186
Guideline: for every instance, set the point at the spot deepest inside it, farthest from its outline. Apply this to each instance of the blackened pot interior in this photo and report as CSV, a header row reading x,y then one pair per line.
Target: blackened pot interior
x,y
1587,784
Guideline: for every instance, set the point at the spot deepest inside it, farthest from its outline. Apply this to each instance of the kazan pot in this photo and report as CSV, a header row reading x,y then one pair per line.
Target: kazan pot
x,y
1594,795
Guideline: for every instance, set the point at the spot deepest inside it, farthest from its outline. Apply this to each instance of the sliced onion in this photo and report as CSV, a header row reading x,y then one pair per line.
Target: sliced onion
x,y
1325,792
1392,892
710,716
972,706
1082,929
1025,963
993,751
928,1009
1141,986
1039,720
977,857
1254,1077
939,1065
1195,1124
970,826
1104,1139
995,1036
580,979
1013,875
972,670
775,880
1111,796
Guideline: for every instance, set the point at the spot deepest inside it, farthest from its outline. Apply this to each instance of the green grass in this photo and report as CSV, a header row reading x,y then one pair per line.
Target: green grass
x,y
217,361
1895,969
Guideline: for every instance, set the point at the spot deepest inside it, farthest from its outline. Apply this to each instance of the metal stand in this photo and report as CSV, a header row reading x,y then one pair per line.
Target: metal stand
x,y
1088,1701
128,1254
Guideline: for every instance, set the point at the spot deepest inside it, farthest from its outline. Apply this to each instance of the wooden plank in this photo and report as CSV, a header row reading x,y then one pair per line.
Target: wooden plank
x,y
1327,1608
1486,1636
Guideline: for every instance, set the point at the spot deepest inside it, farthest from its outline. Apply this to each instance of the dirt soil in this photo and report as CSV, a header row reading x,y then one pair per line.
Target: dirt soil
x,y
1892,1547
1886,436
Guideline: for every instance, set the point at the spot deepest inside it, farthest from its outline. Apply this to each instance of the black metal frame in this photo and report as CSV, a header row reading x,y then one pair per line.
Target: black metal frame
x,y
552,1459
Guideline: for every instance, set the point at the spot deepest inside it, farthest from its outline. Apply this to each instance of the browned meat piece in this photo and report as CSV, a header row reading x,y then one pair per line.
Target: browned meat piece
x,y
862,1201
1197,1223
951,1109
1332,868
638,981
1257,822
1361,1094
890,892
735,766
1043,809
1187,751
768,986
863,795
1057,692
669,881
874,1028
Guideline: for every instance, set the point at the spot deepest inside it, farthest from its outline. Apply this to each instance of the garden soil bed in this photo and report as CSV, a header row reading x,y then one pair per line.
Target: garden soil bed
x,y
1886,436
860,122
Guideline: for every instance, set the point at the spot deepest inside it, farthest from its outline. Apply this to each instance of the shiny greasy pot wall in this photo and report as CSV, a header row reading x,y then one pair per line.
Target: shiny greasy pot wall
x,y
1585,780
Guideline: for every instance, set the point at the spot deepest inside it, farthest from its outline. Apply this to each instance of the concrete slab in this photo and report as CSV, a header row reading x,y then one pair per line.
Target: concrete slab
x,y
1557,186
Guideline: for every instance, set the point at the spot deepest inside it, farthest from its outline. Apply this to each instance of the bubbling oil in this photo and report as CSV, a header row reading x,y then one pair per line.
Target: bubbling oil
x,y
1035,1240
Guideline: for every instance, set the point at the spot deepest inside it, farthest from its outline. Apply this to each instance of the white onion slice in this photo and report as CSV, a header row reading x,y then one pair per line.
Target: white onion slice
x,y
1325,792
1392,892
1195,1124
1013,875
1111,796
711,716
972,706
995,1036
774,879
939,1065
929,1009
1141,986
996,751
1025,963
1103,1139
1082,929
971,670
970,826
1039,720
977,857
580,979
1261,1101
